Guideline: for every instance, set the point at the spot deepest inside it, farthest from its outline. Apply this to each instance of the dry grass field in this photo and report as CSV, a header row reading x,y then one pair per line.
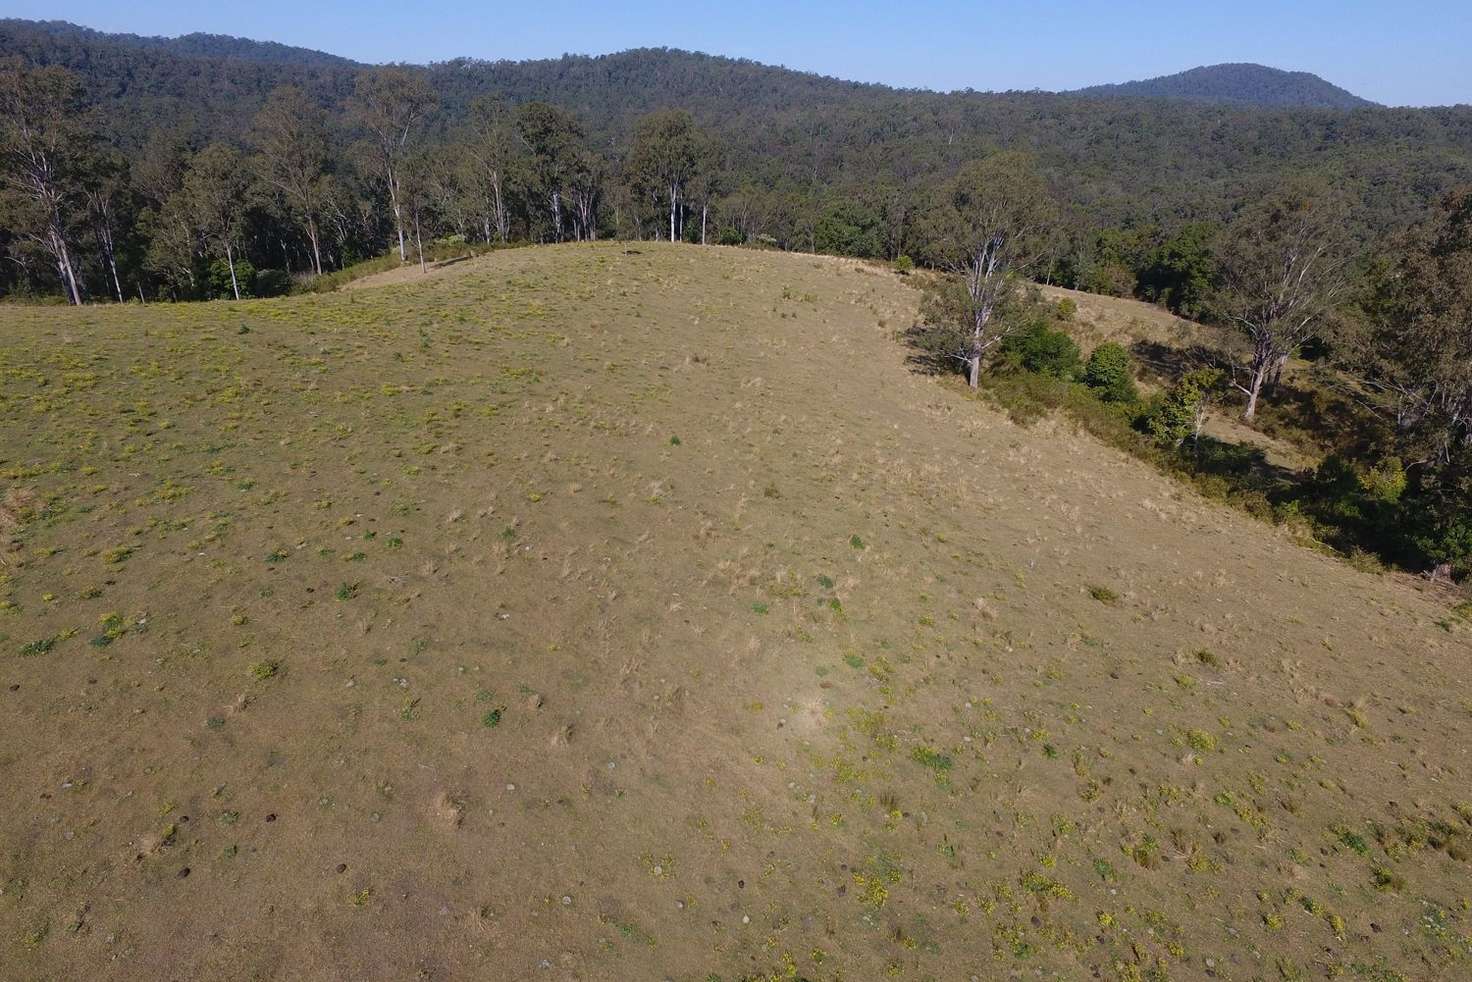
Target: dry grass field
x,y
595,612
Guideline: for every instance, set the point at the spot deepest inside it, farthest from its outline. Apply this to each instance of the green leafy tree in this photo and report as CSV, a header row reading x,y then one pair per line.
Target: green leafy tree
x,y
553,139
669,151
1416,352
1182,411
1110,374
1039,349
491,151
215,190
848,228
1181,272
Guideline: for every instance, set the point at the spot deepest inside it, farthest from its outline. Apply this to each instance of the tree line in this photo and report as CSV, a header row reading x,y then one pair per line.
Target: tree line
x,y
297,196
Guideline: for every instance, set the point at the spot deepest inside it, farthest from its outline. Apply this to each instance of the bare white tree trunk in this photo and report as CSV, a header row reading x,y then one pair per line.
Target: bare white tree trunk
x,y
64,264
230,261
316,248
419,241
503,221
393,200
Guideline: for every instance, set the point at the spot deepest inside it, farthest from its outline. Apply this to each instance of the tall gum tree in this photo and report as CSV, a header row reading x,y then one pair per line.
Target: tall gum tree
x,y
392,104
215,190
291,141
490,142
43,143
1415,352
553,140
991,228
1285,270
668,152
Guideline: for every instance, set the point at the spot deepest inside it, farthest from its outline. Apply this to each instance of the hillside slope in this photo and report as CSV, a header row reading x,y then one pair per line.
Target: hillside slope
x,y
1236,85
593,612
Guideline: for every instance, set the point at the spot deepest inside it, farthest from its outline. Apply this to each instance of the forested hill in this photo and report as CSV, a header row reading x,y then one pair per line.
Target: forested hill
x,y
1124,159
1119,161
62,33
1237,85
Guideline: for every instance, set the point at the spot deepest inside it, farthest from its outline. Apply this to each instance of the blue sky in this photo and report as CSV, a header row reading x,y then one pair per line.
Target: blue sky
x,y
1413,52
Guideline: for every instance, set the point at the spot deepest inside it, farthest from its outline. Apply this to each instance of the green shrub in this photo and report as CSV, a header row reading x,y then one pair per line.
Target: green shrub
x,y
904,265
218,278
1110,375
1386,481
1446,540
1181,412
1067,308
1042,351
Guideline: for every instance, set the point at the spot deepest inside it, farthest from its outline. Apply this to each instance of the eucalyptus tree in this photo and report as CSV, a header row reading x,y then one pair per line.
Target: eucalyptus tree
x,y
489,138
668,152
1417,350
44,143
111,210
1285,269
393,104
215,193
291,140
553,139
991,228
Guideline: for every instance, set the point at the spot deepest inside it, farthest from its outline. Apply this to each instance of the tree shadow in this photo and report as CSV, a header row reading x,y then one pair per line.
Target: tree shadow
x,y
1164,363
1242,465
1337,422
925,356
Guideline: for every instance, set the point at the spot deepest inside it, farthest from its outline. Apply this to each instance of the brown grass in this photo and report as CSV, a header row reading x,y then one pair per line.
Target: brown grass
x,y
820,688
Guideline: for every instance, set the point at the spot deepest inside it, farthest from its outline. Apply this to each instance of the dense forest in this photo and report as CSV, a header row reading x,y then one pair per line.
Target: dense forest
x,y
1237,84
205,167
794,160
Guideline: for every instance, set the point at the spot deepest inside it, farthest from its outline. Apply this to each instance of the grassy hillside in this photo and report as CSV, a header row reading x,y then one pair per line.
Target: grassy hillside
x,y
595,612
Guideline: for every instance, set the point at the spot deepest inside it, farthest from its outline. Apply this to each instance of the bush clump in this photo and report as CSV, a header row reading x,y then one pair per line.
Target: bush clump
x,y
1181,412
1039,349
1109,373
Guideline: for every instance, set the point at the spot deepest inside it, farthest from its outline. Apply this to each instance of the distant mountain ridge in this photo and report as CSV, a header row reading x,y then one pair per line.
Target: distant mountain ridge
x,y
1237,84
197,45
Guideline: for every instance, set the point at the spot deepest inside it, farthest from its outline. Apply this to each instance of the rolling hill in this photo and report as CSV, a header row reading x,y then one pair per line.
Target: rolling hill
x,y
609,612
